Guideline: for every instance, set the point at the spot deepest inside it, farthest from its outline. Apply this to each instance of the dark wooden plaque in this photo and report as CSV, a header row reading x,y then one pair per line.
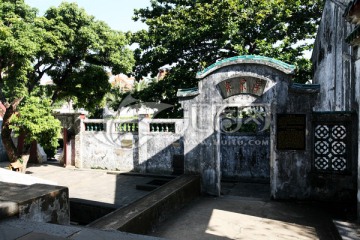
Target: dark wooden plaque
x,y
291,130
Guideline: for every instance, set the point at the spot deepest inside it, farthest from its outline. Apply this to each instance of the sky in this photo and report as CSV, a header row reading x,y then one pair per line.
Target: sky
x,y
116,13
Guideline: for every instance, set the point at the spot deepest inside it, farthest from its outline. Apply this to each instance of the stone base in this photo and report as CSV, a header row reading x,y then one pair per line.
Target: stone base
x,y
37,202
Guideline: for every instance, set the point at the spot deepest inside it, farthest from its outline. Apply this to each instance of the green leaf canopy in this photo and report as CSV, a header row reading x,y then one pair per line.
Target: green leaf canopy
x,y
190,35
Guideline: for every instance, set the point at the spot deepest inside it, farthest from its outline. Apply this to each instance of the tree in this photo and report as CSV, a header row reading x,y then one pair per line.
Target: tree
x,y
192,34
34,116
67,44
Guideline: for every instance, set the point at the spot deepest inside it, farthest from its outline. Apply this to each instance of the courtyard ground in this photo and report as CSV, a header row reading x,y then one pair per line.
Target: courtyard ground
x,y
243,212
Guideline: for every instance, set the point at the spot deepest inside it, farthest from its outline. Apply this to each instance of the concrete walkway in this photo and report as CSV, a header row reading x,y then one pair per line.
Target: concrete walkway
x,y
245,216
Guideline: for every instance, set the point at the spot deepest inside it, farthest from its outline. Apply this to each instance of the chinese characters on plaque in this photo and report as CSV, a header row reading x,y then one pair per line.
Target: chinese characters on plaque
x,y
242,85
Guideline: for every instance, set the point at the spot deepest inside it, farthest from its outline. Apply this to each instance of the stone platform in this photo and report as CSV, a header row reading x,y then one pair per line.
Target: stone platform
x,y
35,201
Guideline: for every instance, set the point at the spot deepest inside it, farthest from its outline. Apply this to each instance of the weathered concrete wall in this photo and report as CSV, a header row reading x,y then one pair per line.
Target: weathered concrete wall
x,y
357,97
141,150
201,113
37,202
157,149
245,156
3,156
100,150
291,169
332,60
160,151
337,69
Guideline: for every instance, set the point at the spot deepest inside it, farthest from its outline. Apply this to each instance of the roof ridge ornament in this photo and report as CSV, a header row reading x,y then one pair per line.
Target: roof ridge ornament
x,y
254,59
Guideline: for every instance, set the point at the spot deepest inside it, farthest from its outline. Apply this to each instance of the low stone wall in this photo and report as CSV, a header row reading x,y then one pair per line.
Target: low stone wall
x,y
100,150
145,145
37,202
143,215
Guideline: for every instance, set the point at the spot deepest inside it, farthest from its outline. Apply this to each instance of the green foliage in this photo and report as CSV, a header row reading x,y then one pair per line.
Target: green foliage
x,y
85,47
165,91
18,45
68,45
140,85
192,34
35,121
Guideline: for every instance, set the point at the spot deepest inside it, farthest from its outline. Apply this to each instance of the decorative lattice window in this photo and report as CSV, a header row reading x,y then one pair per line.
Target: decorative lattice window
x,y
331,152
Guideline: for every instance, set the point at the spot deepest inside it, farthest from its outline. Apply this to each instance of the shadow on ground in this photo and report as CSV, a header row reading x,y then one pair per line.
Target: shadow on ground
x,y
245,211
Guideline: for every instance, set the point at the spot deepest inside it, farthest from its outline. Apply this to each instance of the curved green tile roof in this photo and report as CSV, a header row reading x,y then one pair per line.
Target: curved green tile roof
x,y
187,92
282,66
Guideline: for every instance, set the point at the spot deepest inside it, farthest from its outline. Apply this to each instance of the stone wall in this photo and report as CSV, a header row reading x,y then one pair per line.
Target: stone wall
x,y
337,69
289,170
129,145
332,60
245,157
33,199
357,98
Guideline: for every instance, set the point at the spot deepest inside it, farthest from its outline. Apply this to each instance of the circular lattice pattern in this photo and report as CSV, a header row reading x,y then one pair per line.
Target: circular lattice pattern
x,y
322,131
321,147
339,132
339,164
338,147
321,163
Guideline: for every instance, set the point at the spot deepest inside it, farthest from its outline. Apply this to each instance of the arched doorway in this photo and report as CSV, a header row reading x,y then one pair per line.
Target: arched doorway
x,y
244,142
233,128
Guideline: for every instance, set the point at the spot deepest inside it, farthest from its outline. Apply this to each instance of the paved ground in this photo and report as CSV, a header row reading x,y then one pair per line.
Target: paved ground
x,y
234,217
244,212
93,185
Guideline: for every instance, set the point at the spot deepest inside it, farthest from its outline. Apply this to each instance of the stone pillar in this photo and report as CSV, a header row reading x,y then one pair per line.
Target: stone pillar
x,y
65,140
80,128
201,146
358,171
144,128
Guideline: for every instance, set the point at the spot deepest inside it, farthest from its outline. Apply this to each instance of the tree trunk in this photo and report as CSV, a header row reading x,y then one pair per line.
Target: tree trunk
x,y
6,132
